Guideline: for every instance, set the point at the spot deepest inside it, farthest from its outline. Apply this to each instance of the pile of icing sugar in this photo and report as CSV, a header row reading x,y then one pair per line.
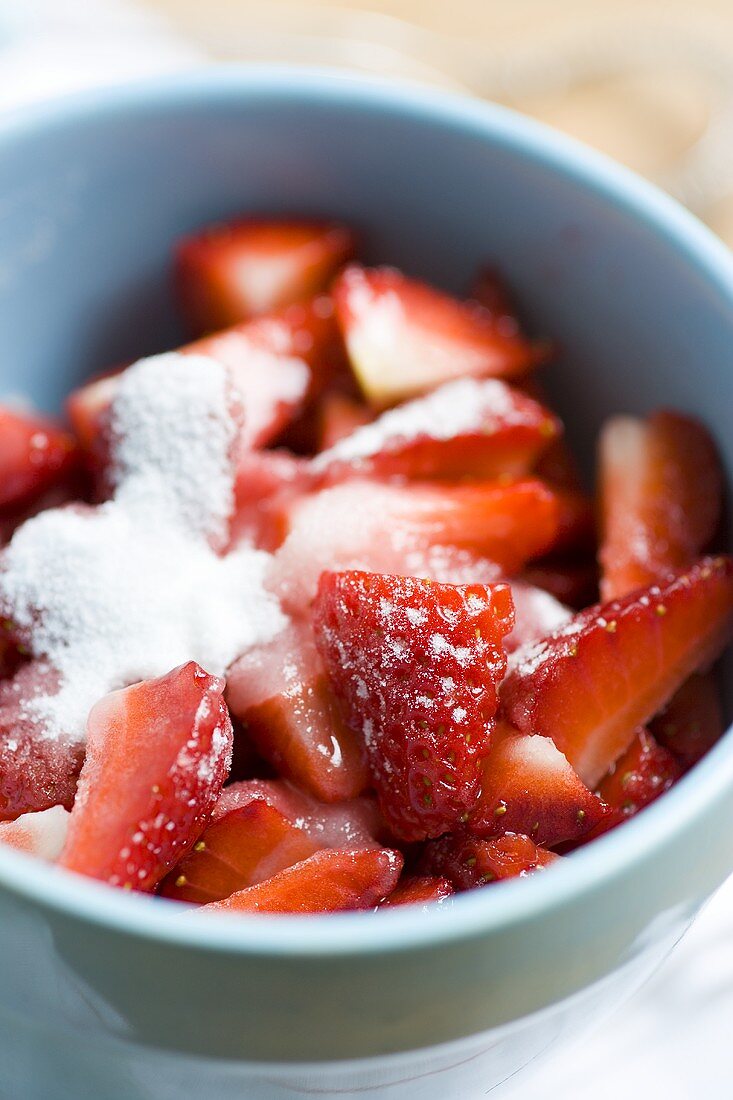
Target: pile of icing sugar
x,y
132,588
466,405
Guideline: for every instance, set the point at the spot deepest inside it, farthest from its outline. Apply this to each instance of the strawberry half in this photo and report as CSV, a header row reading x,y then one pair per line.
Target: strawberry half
x,y
281,694
468,862
404,337
157,755
661,491
592,683
41,834
692,721
640,775
416,666
35,454
419,890
477,427
330,881
529,787
36,771
237,270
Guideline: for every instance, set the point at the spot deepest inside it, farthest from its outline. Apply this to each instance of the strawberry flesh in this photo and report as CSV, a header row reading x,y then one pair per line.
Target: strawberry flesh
x,y
468,862
419,890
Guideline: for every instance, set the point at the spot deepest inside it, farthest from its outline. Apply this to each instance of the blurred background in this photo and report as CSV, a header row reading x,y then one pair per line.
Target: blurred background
x,y
646,81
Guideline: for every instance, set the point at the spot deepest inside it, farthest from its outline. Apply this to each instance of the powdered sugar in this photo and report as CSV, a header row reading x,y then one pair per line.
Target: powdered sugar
x,y
466,405
132,588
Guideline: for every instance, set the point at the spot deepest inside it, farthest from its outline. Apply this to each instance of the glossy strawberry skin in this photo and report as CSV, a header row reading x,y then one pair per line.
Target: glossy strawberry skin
x,y
35,454
661,496
234,271
644,772
332,880
468,862
404,337
157,755
419,890
415,665
591,685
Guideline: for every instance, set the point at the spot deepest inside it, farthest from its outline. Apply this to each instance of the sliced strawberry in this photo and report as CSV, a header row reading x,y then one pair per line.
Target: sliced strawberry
x,y
536,614
404,337
261,477
41,834
590,685
157,755
661,489
470,427
416,665
36,771
35,454
237,270
339,416
640,775
468,862
528,787
419,890
572,582
329,881
281,694
417,529
692,721
246,846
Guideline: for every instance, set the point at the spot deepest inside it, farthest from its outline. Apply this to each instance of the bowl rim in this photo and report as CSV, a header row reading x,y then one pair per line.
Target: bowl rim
x,y
476,913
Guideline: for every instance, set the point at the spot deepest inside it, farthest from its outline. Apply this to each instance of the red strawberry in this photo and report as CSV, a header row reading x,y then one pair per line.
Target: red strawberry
x,y
419,890
41,834
36,771
640,775
573,583
35,454
281,694
468,862
339,416
404,337
447,532
537,614
157,755
528,787
231,272
592,683
261,477
477,427
327,882
692,721
246,846
415,665
661,487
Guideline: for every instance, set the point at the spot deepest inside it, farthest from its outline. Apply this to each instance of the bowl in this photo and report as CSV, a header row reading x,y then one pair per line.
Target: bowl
x,y
121,996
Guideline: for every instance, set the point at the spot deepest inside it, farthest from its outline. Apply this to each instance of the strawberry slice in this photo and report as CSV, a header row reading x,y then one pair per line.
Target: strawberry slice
x,y
157,755
592,683
35,454
339,416
661,489
692,721
640,775
416,666
41,834
261,477
246,846
237,270
280,693
528,787
330,881
404,337
419,890
468,862
477,427
423,529
36,771
536,614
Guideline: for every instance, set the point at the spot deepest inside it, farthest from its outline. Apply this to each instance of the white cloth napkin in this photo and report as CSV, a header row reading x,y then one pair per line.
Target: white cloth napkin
x,y
673,1039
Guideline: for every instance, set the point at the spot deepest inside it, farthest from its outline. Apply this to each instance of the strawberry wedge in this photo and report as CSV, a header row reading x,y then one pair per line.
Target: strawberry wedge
x,y
330,881
661,499
592,683
240,269
468,861
157,755
640,775
281,694
419,890
404,337
477,427
35,454
416,666
41,834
